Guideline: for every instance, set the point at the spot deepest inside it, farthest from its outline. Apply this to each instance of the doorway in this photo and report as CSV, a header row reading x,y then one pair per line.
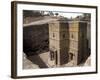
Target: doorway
x,y
71,56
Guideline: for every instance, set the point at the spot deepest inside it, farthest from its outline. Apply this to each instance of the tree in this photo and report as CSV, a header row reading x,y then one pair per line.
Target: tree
x,y
56,14
86,16
51,13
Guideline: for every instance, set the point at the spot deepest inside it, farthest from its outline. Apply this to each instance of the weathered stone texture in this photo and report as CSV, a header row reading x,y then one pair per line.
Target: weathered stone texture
x,y
69,40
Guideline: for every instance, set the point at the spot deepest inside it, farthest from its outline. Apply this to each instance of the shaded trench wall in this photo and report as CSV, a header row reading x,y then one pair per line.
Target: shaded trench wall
x,y
35,39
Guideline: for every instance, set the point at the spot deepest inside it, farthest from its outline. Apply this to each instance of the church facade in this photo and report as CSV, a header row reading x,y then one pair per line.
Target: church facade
x,y
67,42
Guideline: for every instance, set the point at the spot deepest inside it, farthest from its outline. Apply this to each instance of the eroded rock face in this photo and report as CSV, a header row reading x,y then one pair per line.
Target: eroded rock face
x,y
35,39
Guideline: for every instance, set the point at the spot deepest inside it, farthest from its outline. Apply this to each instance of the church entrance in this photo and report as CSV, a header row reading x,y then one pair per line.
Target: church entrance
x,y
54,57
71,56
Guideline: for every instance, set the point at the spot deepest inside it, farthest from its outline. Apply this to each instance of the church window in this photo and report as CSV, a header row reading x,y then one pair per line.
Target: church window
x,y
63,35
72,36
53,35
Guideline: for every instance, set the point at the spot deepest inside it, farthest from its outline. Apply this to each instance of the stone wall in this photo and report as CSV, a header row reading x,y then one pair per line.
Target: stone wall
x,y
69,39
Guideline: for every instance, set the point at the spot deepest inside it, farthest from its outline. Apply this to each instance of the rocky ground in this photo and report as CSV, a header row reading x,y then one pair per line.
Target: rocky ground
x,y
41,61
